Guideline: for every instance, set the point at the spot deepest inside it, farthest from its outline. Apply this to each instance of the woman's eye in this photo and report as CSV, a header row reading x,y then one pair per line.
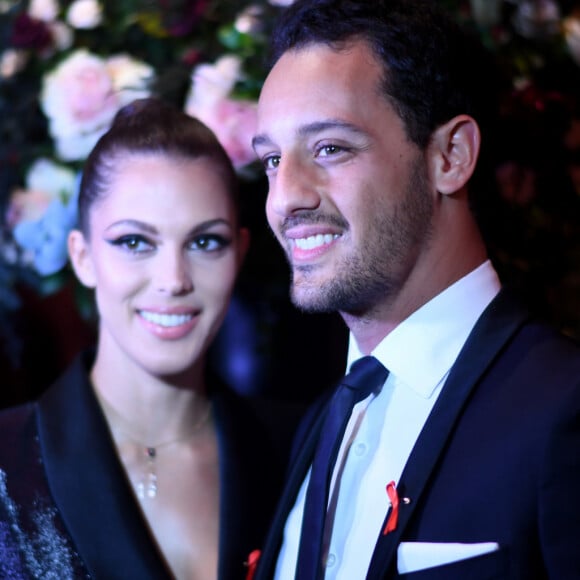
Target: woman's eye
x,y
209,243
133,243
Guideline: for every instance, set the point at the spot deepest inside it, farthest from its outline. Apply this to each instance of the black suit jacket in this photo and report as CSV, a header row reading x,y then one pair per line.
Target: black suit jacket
x,y
498,460
67,509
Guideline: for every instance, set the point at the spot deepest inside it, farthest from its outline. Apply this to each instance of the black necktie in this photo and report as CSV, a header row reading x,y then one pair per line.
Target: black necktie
x,y
366,376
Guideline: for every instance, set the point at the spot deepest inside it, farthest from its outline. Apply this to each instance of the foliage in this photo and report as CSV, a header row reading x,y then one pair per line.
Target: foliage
x,y
208,56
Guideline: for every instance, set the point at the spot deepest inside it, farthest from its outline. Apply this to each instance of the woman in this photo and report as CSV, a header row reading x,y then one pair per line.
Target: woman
x,y
135,464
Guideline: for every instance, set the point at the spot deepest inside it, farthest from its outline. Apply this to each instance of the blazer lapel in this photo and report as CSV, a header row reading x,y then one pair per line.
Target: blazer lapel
x,y
89,485
300,462
496,326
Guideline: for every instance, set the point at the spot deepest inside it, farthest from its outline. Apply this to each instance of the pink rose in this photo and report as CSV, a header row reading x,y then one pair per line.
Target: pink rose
x,y
82,95
233,121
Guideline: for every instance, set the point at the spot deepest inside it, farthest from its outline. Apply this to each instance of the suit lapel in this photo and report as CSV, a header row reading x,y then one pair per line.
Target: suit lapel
x,y
300,462
494,329
89,485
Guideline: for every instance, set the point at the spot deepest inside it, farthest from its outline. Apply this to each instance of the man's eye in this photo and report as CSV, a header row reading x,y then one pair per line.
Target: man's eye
x,y
327,150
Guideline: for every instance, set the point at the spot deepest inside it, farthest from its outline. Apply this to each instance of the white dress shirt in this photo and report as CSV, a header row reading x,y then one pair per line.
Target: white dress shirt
x,y
383,428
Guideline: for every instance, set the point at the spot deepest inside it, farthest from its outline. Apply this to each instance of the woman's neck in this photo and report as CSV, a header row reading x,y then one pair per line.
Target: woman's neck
x,y
150,409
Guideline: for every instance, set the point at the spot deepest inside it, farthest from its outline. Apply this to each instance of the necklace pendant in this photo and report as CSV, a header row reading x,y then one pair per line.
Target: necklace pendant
x,y
147,487
151,485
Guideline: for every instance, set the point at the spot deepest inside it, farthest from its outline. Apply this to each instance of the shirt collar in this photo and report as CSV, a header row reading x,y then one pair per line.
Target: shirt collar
x,y
421,350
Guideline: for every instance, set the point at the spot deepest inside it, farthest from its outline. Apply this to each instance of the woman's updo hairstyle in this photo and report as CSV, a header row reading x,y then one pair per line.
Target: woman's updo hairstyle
x,y
148,126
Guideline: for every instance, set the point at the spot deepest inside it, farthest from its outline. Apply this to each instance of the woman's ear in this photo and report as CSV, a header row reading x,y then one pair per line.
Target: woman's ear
x,y
454,150
80,257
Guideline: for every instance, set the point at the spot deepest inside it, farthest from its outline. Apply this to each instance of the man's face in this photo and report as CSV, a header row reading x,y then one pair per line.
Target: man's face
x,y
349,198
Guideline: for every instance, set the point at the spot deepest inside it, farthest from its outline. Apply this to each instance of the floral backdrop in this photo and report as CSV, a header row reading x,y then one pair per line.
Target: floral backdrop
x,y
67,66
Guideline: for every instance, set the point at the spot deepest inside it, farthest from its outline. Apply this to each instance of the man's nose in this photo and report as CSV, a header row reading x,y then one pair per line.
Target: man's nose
x,y
294,187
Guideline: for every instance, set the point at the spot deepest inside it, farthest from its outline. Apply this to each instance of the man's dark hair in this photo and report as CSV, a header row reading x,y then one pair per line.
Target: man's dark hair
x,y
433,68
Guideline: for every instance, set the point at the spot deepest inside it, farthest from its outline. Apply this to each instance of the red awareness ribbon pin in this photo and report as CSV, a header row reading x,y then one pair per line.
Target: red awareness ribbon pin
x,y
252,563
393,518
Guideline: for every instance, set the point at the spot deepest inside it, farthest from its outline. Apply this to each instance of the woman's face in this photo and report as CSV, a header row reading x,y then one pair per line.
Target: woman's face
x,y
163,255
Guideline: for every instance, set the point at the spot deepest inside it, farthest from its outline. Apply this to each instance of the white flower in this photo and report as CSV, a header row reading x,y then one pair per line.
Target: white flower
x,y
281,2
54,179
572,36
45,10
62,35
213,82
84,14
12,60
250,20
130,77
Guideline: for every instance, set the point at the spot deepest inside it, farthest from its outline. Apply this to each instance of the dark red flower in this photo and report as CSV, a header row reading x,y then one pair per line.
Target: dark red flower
x,y
179,17
30,33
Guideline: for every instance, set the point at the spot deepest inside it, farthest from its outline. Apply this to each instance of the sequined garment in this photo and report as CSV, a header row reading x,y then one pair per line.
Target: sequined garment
x,y
31,546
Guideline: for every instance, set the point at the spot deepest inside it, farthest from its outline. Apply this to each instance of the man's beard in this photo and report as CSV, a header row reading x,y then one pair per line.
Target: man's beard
x,y
374,271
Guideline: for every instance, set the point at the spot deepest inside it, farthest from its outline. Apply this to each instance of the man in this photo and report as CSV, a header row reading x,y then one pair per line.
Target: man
x,y
465,463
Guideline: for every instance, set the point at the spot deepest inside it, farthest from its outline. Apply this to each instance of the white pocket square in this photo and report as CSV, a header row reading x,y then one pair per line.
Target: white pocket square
x,y
415,556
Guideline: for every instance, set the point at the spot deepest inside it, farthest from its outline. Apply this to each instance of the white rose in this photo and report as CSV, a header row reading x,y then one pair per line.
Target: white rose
x,y
45,10
45,175
75,147
250,20
62,35
131,78
85,14
572,36
212,82
13,60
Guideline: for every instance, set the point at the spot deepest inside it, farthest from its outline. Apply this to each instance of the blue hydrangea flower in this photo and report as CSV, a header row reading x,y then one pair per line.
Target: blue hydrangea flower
x,y
45,239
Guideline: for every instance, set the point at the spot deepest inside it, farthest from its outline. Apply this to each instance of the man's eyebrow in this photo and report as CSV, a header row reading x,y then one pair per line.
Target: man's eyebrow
x,y
310,129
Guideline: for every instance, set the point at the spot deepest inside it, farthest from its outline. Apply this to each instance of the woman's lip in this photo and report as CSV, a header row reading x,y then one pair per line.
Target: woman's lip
x,y
169,310
169,325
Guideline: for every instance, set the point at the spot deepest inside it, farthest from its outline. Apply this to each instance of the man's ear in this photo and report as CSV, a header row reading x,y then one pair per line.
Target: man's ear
x,y
454,150
80,257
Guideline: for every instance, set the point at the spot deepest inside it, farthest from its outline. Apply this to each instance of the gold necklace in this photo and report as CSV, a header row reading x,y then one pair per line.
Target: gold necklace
x,y
147,485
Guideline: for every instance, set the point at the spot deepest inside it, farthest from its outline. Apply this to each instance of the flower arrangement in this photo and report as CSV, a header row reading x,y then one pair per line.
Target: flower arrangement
x,y
67,66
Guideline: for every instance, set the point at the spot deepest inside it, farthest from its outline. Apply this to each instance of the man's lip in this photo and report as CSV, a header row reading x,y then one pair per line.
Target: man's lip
x,y
304,232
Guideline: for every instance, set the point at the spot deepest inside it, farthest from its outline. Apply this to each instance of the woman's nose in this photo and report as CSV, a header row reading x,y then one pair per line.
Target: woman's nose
x,y
174,277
